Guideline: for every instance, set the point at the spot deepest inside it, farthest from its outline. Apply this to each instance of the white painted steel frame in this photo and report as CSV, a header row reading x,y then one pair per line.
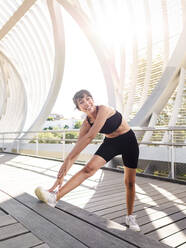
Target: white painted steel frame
x,y
29,26
14,109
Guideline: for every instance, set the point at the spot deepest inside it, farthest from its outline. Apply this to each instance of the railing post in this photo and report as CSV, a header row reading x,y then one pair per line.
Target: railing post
x,y
37,144
172,155
63,145
17,146
3,142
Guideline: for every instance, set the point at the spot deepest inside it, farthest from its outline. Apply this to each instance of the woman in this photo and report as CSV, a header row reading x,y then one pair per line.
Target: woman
x,y
119,139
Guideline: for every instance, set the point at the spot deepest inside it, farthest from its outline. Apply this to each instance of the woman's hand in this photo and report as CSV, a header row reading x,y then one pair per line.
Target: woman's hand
x,y
63,171
60,177
58,183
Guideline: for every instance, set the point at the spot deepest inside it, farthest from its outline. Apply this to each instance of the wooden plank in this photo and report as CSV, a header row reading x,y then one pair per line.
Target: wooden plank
x,y
113,173
93,195
155,204
105,204
162,207
182,246
23,241
176,239
12,230
143,190
145,201
2,213
157,196
100,189
110,226
110,209
97,192
38,225
92,200
42,246
38,161
44,163
166,231
6,220
119,200
160,214
138,207
78,228
118,207
99,196
162,222
160,200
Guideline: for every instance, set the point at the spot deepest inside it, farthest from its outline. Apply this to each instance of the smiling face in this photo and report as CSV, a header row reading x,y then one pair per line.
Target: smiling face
x,y
86,104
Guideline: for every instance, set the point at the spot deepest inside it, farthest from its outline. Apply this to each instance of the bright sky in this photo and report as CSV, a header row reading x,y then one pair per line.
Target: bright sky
x,y
82,71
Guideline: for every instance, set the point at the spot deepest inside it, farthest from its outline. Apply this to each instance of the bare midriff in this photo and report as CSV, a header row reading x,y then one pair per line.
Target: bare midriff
x,y
123,128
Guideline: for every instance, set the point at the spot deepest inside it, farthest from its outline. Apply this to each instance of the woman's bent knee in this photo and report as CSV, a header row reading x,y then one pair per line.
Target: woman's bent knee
x,y
89,170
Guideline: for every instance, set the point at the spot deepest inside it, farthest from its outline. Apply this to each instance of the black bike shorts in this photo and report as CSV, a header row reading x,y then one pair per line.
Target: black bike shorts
x,y
125,144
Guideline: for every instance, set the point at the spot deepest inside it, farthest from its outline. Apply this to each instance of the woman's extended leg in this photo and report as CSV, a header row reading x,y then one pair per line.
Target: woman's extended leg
x,y
93,165
51,199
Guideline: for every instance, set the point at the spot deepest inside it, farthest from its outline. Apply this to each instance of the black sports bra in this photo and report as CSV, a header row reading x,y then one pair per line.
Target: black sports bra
x,y
111,124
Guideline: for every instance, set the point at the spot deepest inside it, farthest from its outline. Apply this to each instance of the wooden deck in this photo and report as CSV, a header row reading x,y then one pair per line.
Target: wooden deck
x,y
90,216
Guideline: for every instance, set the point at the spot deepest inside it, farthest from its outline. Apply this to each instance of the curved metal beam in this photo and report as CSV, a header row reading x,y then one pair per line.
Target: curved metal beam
x,y
58,32
16,17
166,86
103,55
24,113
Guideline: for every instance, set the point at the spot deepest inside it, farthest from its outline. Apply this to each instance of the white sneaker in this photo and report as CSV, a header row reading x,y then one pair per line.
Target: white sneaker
x,y
132,223
45,196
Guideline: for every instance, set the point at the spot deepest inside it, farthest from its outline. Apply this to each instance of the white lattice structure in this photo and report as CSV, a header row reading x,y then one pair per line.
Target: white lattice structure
x,y
140,46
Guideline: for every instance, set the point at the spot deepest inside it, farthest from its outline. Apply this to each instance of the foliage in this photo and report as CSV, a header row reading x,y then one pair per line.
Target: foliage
x,y
77,125
66,126
71,135
49,138
56,138
99,136
50,118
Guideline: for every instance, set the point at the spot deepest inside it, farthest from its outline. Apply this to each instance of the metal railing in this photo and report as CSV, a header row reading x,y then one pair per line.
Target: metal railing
x,y
16,142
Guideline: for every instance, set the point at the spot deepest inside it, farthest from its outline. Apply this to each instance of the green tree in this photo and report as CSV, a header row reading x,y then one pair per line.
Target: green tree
x,y
49,138
71,135
77,125
50,118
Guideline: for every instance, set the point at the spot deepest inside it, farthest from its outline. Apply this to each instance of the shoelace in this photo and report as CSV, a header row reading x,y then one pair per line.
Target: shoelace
x,y
132,218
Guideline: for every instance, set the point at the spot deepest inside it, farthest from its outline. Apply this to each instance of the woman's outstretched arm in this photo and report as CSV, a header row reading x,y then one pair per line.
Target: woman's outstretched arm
x,y
87,134
86,139
68,163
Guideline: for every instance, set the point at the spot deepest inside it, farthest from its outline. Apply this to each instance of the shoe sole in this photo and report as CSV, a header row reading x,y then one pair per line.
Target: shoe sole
x,y
40,195
133,229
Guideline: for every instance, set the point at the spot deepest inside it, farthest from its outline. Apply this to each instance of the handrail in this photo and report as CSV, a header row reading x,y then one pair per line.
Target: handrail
x,y
63,140
171,128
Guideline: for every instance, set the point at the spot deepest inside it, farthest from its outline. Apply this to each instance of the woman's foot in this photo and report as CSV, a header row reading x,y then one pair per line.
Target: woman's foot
x,y
45,196
132,223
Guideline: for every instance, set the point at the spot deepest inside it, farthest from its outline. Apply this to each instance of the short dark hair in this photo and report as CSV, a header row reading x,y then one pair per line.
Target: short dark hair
x,y
79,95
